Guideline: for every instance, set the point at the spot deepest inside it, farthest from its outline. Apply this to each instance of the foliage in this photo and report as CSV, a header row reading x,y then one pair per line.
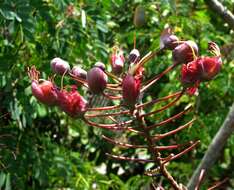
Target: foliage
x,y
42,148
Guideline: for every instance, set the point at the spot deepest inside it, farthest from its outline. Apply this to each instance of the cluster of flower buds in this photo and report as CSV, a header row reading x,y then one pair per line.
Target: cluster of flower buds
x,y
128,86
201,69
195,69
48,93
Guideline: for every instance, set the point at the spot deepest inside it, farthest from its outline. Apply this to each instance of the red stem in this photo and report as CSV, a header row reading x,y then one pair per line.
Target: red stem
x,y
107,114
124,145
128,159
219,184
108,126
113,76
166,106
113,119
104,108
160,136
158,100
169,119
201,177
168,158
113,88
77,78
157,77
183,152
113,85
112,97
171,146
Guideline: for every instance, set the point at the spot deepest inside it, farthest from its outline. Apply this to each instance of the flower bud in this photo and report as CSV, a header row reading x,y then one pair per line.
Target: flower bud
x,y
44,92
210,67
168,40
190,74
72,102
97,80
185,52
59,66
139,16
131,89
79,72
100,65
117,62
134,56
117,66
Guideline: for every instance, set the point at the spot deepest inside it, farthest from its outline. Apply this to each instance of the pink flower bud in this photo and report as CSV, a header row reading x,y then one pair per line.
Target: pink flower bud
x,y
210,67
79,72
44,92
134,56
59,66
131,89
117,62
97,80
72,102
185,52
100,65
117,66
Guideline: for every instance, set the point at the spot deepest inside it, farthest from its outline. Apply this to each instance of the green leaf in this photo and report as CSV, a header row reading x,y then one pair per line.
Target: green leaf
x,y
2,179
8,182
10,15
101,26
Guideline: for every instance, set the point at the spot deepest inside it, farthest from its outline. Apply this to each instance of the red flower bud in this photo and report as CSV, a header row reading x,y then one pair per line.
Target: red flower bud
x,y
185,52
168,40
44,91
59,66
71,102
97,80
190,74
210,67
131,89
134,56
79,72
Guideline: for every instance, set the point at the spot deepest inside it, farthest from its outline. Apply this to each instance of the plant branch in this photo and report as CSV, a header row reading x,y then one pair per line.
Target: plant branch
x,y
155,152
160,136
215,148
222,11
